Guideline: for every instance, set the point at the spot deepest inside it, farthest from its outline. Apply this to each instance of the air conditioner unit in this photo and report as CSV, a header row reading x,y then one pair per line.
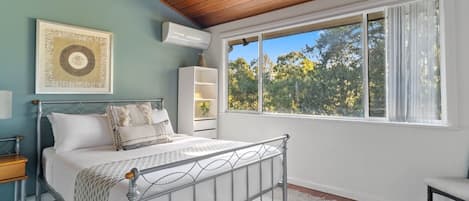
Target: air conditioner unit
x,y
185,36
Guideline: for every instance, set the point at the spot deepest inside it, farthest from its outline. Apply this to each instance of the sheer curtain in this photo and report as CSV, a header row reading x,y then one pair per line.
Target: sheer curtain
x,y
413,62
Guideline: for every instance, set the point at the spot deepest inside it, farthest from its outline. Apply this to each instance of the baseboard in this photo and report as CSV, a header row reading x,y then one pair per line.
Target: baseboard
x,y
334,190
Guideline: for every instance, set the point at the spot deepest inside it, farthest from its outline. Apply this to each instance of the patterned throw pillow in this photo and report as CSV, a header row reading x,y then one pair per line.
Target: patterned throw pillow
x,y
133,127
164,131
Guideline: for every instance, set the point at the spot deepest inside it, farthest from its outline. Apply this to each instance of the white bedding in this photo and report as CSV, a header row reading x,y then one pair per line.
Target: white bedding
x,y
61,169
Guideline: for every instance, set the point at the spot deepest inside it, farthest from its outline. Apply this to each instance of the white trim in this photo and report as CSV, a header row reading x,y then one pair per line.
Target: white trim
x,y
260,72
371,120
365,63
444,109
386,71
223,102
292,26
356,8
444,42
451,65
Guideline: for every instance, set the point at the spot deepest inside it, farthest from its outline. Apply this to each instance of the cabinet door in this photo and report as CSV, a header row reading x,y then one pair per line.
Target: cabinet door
x,y
205,124
206,133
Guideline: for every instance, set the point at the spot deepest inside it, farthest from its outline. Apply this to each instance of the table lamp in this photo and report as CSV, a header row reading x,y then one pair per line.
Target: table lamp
x,y
5,104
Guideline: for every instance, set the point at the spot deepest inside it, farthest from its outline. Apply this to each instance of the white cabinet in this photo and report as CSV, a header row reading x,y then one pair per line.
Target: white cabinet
x,y
197,101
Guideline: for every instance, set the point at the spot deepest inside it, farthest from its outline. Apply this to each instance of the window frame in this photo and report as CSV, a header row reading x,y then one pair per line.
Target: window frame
x,y
366,116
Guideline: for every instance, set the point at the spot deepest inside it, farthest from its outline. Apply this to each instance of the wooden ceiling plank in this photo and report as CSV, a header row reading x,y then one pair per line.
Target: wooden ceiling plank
x,y
212,12
245,10
172,2
187,4
213,6
181,13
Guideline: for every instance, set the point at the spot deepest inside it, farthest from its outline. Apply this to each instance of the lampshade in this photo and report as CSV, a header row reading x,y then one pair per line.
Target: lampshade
x,y
5,104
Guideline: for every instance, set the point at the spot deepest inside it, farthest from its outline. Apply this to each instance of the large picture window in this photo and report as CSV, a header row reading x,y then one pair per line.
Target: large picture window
x,y
316,72
338,67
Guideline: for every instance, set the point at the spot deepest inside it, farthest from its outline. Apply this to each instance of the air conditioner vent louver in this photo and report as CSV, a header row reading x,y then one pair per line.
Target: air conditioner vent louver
x,y
185,36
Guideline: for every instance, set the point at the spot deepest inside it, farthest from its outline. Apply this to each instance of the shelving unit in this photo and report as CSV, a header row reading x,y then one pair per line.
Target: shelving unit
x,y
197,101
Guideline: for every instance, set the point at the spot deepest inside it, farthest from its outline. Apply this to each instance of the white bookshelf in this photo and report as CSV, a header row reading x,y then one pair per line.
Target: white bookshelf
x,y
197,101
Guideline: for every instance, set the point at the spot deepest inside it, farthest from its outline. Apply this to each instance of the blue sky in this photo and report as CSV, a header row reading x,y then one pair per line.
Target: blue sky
x,y
275,47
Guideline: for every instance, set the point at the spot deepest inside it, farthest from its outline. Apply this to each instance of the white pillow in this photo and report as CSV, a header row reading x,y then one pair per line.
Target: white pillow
x,y
72,131
159,116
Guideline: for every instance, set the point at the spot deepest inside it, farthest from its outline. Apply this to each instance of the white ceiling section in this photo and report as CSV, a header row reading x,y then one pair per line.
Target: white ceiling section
x,y
361,160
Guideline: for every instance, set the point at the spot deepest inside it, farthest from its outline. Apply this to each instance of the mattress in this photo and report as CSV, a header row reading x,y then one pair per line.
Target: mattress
x,y
60,171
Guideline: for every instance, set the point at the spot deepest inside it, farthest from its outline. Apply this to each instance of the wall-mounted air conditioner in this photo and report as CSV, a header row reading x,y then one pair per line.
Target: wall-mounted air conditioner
x,y
185,36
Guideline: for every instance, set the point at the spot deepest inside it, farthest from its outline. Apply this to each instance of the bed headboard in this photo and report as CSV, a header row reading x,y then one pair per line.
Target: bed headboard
x,y
45,107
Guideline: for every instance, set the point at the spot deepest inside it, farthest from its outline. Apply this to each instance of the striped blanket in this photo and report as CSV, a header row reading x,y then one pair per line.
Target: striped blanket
x,y
96,182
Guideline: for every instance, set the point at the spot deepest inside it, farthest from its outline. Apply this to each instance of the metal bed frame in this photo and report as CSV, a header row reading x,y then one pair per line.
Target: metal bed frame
x,y
258,150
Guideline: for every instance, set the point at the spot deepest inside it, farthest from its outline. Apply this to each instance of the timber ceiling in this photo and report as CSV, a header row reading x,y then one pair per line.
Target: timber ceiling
x,y
208,13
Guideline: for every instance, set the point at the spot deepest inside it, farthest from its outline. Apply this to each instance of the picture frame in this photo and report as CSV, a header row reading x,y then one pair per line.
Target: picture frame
x,y
72,59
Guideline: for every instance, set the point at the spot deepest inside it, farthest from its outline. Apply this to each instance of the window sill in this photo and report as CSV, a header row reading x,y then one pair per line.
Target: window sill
x,y
382,121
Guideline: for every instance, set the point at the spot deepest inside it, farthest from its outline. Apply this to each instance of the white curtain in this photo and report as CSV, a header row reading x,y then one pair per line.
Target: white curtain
x,y
413,62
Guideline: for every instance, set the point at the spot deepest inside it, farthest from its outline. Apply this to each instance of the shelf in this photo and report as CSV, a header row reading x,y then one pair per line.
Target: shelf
x,y
198,101
206,83
204,118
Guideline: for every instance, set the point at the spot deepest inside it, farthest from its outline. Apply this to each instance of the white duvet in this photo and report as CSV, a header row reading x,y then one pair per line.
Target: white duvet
x,y
61,169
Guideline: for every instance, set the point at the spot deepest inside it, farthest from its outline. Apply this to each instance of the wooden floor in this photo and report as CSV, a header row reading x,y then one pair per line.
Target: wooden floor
x,y
327,196
320,194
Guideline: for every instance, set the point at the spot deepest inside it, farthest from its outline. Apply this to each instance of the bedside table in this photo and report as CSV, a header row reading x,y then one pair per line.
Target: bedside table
x,y
13,168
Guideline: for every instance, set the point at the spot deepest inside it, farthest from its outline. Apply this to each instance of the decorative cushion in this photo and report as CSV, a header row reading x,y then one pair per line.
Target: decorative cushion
x,y
133,126
164,131
139,136
160,116
73,131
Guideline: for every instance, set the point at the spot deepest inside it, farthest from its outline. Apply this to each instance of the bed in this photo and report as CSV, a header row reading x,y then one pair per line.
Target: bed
x,y
187,169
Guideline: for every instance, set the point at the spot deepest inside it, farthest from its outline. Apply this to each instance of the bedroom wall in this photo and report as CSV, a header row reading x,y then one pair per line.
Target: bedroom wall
x,y
361,160
143,66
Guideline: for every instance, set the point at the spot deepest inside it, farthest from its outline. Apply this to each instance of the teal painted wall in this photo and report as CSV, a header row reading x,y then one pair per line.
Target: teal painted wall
x,y
143,66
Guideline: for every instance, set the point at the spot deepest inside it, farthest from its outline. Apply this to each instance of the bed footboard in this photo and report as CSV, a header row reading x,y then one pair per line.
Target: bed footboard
x,y
262,151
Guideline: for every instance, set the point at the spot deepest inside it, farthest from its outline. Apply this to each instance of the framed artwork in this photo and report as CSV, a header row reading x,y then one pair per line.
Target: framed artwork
x,y
73,60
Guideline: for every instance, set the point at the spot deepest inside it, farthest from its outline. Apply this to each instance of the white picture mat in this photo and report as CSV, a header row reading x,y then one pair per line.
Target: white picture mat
x,y
41,26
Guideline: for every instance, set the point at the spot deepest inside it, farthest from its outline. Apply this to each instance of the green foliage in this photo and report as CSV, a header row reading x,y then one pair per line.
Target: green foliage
x,y
376,68
242,86
322,79
204,108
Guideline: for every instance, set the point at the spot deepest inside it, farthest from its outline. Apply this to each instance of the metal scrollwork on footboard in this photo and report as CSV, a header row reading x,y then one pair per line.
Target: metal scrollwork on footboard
x,y
256,153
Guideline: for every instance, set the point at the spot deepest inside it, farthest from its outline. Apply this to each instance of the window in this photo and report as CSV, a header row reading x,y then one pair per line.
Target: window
x,y
316,72
243,74
338,67
376,65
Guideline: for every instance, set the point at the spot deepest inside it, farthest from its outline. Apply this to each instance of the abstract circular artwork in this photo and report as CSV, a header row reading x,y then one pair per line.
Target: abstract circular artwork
x,y
77,60
72,59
